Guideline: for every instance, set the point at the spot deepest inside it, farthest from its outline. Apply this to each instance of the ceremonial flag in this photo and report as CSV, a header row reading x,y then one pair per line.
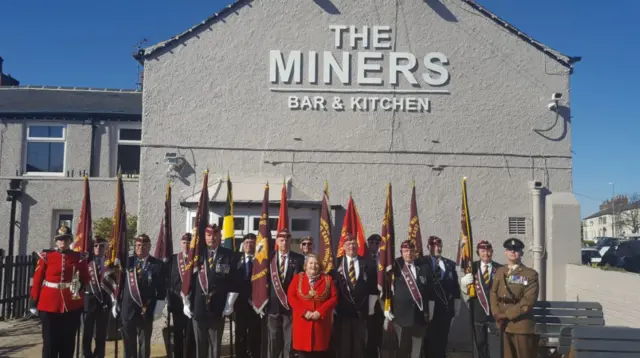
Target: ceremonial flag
x,y
164,245
197,242
228,231
387,255
325,246
353,226
465,246
283,216
260,271
118,244
414,223
84,236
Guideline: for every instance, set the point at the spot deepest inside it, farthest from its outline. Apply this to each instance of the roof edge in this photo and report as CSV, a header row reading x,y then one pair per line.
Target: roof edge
x,y
143,54
559,57
565,60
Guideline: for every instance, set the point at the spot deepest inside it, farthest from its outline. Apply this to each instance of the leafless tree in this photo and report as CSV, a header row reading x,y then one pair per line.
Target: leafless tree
x,y
628,219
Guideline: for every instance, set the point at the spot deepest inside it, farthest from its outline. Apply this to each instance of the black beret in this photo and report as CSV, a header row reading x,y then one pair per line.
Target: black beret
x,y
513,244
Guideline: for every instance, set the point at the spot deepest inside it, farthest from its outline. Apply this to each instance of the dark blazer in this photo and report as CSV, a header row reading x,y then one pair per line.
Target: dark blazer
x,y
354,301
479,315
220,283
175,285
91,302
404,309
445,288
296,264
243,279
151,285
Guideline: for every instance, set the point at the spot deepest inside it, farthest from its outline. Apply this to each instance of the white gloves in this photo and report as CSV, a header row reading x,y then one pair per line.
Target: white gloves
x,y
228,307
165,311
33,311
187,311
432,306
466,280
372,304
388,315
114,311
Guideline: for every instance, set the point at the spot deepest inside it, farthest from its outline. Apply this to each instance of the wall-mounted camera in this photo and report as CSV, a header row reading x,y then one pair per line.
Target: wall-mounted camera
x,y
555,98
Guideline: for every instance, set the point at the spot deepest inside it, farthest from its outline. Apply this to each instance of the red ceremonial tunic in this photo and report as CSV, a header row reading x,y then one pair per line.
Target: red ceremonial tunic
x,y
54,272
309,335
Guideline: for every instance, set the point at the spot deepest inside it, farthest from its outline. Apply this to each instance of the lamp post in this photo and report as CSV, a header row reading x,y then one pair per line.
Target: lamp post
x,y
613,209
13,194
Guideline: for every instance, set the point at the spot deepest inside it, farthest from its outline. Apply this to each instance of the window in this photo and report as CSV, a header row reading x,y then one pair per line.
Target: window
x,y
272,223
45,149
191,220
65,218
239,224
517,226
128,147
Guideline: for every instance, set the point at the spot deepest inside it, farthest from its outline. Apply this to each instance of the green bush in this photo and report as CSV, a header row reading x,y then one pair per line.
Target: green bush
x,y
104,226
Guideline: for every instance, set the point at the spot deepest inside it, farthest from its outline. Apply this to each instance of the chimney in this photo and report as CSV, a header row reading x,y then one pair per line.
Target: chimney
x,y
1,61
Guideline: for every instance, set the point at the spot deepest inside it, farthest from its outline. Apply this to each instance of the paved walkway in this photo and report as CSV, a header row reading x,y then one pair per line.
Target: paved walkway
x,y
23,339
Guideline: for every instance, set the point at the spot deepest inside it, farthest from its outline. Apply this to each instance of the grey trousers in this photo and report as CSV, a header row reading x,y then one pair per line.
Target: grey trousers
x,y
136,334
410,340
351,337
279,336
208,334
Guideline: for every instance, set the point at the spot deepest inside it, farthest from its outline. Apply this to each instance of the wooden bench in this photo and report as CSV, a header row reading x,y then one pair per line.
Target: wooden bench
x,y
597,342
553,316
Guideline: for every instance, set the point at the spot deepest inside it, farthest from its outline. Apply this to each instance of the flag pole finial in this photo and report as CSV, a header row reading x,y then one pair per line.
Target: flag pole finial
x,y
413,183
326,186
206,171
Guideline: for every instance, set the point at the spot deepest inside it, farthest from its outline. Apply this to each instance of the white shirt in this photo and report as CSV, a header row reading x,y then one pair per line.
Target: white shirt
x,y
485,267
286,262
356,267
412,268
248,258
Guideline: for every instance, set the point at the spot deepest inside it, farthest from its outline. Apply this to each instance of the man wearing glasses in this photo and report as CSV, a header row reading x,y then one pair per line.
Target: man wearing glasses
x,y
306,246
96,303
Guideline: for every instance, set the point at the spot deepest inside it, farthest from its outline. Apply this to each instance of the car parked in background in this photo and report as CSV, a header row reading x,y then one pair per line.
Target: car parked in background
x,y
590,256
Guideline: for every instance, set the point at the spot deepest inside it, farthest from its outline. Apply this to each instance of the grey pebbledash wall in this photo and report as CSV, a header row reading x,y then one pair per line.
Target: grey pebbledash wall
x,y
212,97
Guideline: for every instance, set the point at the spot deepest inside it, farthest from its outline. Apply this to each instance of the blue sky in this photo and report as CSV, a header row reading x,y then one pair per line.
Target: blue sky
x,y
89,43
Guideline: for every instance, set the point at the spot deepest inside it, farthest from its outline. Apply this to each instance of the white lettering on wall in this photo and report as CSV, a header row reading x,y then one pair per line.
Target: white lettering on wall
x,y
363,62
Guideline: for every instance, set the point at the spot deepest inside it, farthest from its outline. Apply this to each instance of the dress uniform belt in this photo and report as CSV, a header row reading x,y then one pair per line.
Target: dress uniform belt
x,y
60,285
509,301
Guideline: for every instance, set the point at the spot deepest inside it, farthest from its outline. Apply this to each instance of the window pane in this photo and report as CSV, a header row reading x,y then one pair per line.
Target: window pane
x,y
130,134
238,223
300,224
129,159
45,157
66,219
45,131
273,224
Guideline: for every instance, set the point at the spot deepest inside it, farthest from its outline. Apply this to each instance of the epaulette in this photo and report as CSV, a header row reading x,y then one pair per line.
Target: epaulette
x,y
43,254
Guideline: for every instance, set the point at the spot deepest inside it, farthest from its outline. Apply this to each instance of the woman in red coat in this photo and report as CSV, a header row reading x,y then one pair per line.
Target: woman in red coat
x,y
312,296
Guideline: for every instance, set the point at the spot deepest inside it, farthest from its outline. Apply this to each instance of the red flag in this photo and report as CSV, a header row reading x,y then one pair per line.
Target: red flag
x,y
197,243
414,223
387,255
84,234
353,226
283,217
325,246
164,245
118,245
260,271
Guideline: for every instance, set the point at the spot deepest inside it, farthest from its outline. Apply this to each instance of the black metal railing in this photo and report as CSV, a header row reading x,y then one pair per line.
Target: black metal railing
x,y
15,285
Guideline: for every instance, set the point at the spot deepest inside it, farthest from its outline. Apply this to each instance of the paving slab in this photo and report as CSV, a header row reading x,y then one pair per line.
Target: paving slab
x,y
23,339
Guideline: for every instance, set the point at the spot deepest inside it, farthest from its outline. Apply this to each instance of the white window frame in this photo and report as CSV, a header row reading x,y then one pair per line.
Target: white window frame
x,y
254,230
191,218
29,139
117,142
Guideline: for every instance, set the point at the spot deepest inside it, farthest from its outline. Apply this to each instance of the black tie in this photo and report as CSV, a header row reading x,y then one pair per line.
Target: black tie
x,y
438,270
249,268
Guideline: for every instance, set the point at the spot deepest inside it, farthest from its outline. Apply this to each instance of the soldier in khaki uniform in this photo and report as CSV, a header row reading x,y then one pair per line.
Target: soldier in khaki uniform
x,y
513,295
